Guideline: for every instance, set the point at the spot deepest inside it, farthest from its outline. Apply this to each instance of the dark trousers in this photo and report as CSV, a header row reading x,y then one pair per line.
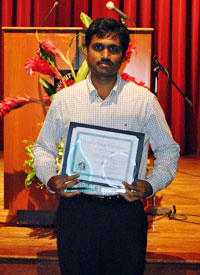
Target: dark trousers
x,y
101,237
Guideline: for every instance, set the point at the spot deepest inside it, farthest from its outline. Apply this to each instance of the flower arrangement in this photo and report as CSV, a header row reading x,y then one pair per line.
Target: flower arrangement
x,y
45,64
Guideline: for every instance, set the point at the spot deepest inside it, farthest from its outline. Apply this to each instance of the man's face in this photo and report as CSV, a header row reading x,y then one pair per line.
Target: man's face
x,y
104,56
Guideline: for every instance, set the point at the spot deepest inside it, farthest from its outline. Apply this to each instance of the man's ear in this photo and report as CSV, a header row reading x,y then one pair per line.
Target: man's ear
x,y
124,58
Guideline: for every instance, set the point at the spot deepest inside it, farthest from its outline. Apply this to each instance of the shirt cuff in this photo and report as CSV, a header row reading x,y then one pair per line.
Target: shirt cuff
x,y
49,189
46,177
157,184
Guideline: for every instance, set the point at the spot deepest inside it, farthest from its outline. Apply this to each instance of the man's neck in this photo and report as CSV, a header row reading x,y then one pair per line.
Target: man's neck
x,y
103,85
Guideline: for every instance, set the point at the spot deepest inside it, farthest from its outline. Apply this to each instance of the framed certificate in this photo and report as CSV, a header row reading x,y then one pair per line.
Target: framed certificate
x,y
102,156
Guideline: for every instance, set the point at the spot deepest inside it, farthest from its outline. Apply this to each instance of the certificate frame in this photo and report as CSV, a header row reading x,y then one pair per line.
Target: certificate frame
x,y
69,158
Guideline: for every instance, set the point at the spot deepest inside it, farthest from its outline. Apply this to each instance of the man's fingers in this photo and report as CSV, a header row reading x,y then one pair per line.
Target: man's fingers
x,y
132,192
70,178
62,187
58,184
129,186
68,194
129,198
70,184
131,189
143,188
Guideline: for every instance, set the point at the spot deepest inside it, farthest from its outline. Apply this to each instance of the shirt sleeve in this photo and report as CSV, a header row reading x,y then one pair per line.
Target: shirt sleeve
x,y
166,150
45,148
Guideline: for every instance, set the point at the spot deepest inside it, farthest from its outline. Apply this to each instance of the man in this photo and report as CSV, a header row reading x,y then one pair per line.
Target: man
x,y
105,235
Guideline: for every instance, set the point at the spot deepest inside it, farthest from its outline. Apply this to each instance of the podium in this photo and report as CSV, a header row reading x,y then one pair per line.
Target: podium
x,y
21,124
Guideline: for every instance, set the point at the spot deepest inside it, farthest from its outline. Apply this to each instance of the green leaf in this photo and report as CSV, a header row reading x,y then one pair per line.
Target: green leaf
x,y
29,179
30,142
83,48
29,163
40,185
86,20
71,40
44,54
47,57
37,36
29,151
82,72
81,33
49,88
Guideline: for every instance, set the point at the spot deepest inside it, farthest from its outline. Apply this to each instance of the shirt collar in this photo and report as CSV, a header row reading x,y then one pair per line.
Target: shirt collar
x,y
113,96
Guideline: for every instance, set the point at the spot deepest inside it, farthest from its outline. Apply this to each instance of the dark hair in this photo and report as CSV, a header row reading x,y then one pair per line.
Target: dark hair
x,y
106,27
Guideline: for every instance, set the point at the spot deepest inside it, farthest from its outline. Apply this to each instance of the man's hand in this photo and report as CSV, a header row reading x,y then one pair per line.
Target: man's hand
x,y
143,189
58,185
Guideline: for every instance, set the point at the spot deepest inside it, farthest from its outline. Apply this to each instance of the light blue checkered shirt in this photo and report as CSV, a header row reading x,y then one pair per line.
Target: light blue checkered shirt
x,y
128,107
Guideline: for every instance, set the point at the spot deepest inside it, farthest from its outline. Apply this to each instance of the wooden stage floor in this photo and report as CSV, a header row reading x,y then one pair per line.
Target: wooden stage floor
x,y
173,243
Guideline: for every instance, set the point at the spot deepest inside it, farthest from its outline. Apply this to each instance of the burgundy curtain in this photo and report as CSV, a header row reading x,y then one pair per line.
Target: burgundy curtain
x,y
176,42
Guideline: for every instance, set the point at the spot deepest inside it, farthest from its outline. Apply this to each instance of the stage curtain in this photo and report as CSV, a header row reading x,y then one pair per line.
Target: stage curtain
x,y
176,43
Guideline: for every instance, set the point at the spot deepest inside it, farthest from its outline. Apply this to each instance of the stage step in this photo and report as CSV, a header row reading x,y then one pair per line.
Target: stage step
x,y
8,216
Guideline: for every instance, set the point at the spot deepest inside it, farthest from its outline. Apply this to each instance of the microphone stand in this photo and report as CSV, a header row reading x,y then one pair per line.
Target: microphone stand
x,y
158,210
160,68
156,71
49,13
122,19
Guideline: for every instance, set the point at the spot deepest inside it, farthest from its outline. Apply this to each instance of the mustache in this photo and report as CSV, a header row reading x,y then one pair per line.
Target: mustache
x,y
105,61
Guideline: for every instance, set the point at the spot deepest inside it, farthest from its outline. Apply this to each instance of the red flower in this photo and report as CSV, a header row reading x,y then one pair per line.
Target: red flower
x,y
68,82
40,65
131,51
127,77
9,103
49,47
46,99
